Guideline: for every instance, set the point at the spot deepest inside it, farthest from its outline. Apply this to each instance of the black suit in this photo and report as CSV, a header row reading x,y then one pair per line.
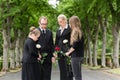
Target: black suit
x,y
47,46
62,59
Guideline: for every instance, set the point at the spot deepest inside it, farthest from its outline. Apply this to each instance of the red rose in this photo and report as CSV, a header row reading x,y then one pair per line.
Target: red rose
x,y
57,48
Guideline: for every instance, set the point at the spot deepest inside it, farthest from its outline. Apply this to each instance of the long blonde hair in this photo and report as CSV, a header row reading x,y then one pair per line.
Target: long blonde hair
x,y
75,25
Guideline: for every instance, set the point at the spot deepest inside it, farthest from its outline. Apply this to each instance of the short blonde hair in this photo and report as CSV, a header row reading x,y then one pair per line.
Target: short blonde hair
x,y
63,17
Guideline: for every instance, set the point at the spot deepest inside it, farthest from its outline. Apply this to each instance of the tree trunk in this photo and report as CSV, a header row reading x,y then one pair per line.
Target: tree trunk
x,y
103,24
12,54
21,54
88,43
12,59
95,47
104,48
5,39
5,51
89,50
22,39
86,54
115,31
17,52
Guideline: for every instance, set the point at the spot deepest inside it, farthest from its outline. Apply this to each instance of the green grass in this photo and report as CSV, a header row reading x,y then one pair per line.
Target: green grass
x,y
106,69
114,71
92,67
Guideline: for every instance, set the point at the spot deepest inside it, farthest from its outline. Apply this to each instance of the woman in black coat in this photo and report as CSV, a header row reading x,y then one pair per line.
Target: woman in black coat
x,y
30,65
62,34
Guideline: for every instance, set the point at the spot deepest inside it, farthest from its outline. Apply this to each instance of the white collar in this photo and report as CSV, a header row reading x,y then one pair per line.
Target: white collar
x,y
42,29
66,26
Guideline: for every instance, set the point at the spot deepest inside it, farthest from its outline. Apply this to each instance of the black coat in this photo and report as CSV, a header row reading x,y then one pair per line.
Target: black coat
x,y
30,53
60,37
46,42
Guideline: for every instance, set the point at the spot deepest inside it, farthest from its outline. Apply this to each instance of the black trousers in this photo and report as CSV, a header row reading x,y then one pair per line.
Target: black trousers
x,y
64,69
46,69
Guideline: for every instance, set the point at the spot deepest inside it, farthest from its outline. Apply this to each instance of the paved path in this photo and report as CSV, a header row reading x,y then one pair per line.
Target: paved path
x,y
87,75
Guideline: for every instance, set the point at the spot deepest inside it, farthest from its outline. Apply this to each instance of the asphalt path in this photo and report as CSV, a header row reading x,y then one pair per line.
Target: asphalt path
x,y
87,74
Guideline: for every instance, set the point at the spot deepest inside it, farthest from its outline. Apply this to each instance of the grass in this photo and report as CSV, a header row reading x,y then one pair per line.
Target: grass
x,y
114,71
92,67
106,69
15,70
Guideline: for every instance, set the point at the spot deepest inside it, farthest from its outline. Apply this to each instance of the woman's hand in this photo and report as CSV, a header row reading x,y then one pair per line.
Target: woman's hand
x,y
67,53
53,59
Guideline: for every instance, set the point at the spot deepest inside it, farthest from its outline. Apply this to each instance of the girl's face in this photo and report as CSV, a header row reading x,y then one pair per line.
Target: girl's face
x,y
35,37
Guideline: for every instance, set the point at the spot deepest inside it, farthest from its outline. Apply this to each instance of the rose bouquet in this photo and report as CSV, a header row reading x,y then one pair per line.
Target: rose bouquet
x,y
58,51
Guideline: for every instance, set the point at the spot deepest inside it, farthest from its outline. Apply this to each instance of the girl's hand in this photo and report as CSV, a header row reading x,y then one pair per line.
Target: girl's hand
x,y
39,58
67,53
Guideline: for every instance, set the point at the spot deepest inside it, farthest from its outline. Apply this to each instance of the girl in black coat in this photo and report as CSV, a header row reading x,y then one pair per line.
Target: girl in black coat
x,y
30,65
77,47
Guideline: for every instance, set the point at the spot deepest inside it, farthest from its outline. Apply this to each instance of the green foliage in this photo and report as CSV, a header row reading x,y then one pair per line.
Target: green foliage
x,y
26,13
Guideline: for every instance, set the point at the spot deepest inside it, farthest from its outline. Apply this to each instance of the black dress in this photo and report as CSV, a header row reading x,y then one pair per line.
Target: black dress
x,y
30,64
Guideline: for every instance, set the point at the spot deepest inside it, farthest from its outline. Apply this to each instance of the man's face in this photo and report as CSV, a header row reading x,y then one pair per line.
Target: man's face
x,y
43,23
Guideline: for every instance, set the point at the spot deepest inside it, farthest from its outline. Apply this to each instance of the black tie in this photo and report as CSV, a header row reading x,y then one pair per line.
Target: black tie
x,y
43,32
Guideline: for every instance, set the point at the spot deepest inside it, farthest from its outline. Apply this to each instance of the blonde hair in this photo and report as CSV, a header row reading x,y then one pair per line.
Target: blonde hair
x,y
34,30
75,25
63,17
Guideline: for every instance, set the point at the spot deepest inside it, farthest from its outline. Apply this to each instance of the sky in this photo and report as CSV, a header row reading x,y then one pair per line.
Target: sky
x,y
53,2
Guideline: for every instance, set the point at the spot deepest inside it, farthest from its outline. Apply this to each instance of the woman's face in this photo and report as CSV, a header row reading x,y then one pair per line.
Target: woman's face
x,y
61,22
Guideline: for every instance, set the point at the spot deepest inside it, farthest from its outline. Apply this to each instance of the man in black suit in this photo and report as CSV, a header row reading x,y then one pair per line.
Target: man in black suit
x,y
63,33
47,46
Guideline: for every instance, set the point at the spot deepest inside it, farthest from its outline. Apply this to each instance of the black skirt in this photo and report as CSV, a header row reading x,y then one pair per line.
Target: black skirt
x,y
31,71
